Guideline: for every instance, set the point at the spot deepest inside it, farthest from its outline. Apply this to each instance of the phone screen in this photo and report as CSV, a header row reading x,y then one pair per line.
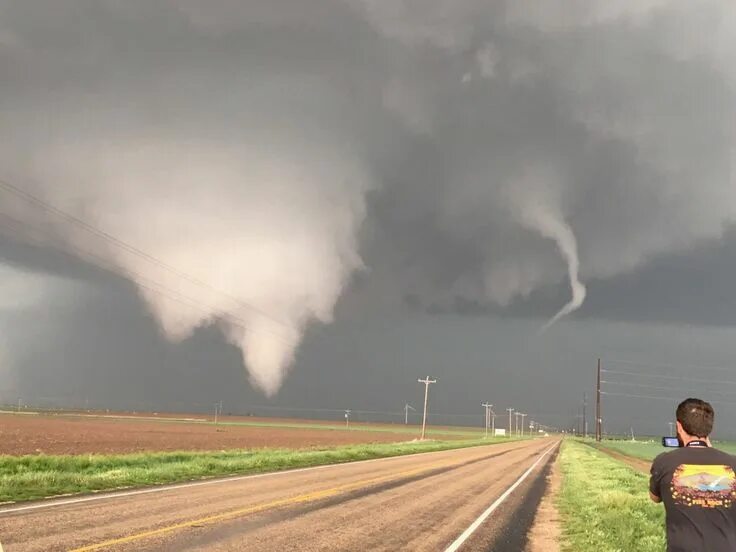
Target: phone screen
x,y
673,442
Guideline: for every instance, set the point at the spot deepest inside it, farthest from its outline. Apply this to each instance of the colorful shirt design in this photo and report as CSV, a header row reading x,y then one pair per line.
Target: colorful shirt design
x,y
706,486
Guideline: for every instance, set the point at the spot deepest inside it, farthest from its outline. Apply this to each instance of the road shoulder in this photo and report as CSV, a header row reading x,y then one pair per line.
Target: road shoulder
x,y
544,535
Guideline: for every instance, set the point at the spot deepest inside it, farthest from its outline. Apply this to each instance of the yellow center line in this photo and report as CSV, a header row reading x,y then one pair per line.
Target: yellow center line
x,y
290,501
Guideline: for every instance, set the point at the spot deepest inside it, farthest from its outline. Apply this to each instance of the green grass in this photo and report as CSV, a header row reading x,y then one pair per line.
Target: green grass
x,y
648,450
605,505
40,476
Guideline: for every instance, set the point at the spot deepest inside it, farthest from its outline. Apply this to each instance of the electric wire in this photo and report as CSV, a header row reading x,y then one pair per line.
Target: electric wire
x,y
665,376
634,396
51,209
659,388
667,365
144,282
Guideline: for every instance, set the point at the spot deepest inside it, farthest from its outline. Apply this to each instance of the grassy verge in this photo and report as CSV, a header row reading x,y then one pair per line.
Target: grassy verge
x,y
648,450
40,476
605,505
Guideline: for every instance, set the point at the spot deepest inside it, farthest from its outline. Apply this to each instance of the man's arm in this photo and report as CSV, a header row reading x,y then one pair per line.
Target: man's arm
x,y
654,481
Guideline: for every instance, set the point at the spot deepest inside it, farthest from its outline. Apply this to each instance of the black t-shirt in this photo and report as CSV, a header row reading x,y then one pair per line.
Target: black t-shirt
x,y
698,488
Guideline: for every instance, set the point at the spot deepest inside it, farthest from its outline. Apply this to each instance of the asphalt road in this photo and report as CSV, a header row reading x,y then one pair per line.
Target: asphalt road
x,y
420,502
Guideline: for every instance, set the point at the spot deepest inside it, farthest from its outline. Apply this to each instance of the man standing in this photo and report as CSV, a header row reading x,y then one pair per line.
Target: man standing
x,y
697,484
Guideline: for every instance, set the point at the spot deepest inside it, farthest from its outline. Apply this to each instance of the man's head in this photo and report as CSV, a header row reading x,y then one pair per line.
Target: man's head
x,y
694,419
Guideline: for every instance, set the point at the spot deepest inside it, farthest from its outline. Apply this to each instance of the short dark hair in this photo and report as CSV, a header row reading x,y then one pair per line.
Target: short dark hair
x,y
696,417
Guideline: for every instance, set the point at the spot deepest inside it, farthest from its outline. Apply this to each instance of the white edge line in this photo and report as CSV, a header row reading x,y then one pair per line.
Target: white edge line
x,y
123,494
477,523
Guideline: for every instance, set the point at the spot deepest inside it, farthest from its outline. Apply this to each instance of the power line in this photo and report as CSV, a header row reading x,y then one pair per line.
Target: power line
x,y
614,394
130,248
664,376
664,365
659,388
151,285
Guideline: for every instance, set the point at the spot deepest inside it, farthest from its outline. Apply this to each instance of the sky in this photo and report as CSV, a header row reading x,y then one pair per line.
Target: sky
x,y
308,205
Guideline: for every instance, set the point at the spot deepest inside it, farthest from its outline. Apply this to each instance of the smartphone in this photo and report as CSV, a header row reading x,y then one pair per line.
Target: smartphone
x,y
672,442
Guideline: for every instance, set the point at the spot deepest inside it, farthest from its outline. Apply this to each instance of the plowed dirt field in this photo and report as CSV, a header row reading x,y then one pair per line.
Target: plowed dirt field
x,y
55,434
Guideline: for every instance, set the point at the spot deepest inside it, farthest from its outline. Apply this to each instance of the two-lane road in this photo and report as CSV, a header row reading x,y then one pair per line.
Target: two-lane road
x,y
418,502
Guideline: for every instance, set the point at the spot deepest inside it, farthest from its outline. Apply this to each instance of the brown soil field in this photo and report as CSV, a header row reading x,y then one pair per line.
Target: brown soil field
x,y
59,434
188,416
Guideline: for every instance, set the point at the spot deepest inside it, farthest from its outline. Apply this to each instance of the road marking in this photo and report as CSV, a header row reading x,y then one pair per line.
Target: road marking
x,y
163,488
299,499
477,523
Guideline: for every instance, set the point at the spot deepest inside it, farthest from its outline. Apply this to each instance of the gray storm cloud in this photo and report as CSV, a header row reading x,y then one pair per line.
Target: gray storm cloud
x,y
245,145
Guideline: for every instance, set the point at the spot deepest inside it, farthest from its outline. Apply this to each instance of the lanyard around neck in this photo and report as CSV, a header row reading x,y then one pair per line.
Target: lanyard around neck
x,y
697,443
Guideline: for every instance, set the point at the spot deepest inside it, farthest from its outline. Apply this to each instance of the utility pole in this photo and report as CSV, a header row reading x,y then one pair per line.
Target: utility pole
x,y
516,423
598,405
427,382
671,424
585,418
522,423
347,419
579,421
488,415
493,423
217,406
407,407
510,411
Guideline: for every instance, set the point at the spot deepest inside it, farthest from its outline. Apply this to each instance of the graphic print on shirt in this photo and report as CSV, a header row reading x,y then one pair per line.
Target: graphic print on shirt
x,y
706,486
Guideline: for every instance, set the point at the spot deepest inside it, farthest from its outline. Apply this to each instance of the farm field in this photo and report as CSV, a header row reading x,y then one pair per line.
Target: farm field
x,y
71,433
648,450
45,454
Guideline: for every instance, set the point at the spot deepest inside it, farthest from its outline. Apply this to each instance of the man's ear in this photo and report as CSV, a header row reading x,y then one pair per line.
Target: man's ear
x,y
680,431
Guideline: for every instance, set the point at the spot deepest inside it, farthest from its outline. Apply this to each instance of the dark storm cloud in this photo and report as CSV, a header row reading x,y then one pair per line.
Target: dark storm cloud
x,y
632,129
470,157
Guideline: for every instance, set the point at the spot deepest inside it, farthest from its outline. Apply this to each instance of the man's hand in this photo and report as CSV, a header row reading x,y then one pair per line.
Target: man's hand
x,y
656,499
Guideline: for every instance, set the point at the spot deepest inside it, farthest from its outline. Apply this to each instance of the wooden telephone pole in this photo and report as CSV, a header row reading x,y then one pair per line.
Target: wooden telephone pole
x,y
598,404
427,382
488,408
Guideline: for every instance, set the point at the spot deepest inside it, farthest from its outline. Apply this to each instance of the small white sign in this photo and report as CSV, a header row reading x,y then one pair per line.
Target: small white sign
x,y
499,432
